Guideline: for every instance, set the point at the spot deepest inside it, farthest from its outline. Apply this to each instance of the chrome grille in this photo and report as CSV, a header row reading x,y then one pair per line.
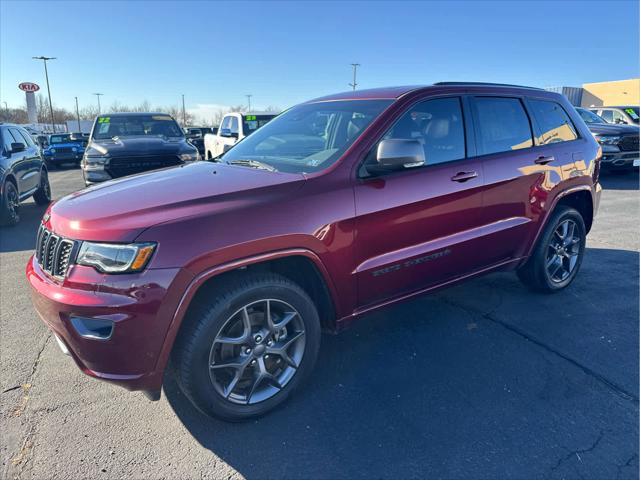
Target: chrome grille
x,y
53,252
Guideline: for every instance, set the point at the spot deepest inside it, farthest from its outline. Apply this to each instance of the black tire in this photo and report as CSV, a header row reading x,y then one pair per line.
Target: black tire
x,y
208,318
9,205
43,194
538,272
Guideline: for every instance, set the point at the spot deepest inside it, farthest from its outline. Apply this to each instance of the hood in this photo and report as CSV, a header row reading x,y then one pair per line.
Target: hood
x,y
120,210
144,145
611,129
66,145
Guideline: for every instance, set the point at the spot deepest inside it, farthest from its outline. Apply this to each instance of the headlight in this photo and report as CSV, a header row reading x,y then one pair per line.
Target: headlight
x,y
95,163
607,139
52,150
74,149
190,157
115,258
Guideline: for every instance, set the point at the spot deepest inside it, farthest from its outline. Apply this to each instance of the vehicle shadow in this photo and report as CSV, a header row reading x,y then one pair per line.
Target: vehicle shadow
x,y
22,236
620,180
437,387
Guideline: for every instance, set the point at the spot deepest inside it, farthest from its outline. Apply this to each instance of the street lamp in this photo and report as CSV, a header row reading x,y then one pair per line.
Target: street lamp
x,y
98,95
46,74
78,115
184,114
355,70
249,102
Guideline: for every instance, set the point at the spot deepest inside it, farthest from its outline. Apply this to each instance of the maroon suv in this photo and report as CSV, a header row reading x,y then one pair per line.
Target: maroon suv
x,y
339,206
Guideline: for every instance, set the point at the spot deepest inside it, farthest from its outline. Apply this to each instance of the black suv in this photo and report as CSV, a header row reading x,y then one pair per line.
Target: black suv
x,y
195,135
124,144
619,142
22,173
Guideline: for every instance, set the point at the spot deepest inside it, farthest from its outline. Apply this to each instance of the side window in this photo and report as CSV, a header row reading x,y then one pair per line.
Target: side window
x,y
502,125
618,117
555,124
234,125
607,115
28,141
7,140
438,125
226,121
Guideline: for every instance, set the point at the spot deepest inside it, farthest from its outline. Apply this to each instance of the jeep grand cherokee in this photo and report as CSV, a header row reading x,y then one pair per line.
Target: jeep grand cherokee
x,y
337,207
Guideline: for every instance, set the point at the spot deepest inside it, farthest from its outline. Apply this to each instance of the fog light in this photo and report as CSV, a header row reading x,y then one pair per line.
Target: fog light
x,y
93,328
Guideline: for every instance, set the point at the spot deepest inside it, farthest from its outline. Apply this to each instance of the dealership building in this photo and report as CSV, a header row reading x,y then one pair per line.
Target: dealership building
x,y
602,94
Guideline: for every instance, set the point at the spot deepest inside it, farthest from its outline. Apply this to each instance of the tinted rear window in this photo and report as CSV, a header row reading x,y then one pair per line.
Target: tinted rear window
x,y
555,124
502,125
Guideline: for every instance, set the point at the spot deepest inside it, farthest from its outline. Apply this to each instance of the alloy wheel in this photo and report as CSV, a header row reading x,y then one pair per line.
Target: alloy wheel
x,y
46,188
257,351
13,202
563,251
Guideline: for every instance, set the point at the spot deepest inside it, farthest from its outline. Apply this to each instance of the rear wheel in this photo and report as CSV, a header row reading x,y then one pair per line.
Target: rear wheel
x,y
43,194
557,257
10,205
243,350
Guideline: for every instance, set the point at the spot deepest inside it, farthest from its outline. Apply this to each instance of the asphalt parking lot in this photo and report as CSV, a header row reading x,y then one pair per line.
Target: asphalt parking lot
x,y
484,380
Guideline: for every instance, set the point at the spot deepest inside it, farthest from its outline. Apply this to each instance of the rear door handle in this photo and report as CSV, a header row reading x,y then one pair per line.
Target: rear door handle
x,y
544,160
464,176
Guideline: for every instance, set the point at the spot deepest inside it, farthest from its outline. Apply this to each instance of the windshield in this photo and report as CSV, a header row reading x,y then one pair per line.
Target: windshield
x,y
307,138
135,126
250,123
589,117
633,112
53,139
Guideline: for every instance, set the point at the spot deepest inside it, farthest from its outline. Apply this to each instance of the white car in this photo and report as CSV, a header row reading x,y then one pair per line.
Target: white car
x,y
233,128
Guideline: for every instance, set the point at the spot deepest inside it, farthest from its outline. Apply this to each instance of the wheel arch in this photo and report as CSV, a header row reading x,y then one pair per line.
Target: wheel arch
x,y
299,265
579,198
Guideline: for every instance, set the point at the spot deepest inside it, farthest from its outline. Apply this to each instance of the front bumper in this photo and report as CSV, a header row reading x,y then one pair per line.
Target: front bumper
x,y
64,158
619,159
141,307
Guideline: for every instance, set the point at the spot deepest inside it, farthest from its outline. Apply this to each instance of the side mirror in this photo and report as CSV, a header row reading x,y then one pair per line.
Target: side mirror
x,y
397,154
226,132
619,120
18,147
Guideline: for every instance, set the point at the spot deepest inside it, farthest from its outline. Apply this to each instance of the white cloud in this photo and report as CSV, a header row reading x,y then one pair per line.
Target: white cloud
x,y
205,112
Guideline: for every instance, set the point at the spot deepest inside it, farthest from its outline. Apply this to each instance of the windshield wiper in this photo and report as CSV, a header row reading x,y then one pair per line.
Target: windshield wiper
x,y
253,164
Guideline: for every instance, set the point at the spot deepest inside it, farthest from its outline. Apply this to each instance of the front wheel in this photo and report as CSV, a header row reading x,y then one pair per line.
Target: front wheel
x,y
245,348
9,205
43,194
558,254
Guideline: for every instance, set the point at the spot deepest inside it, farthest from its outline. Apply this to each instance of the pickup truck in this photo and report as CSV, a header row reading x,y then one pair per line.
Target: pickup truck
x,y
233,128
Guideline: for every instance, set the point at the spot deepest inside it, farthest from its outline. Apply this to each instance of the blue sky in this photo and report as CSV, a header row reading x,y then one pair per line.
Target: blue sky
x,y
287,52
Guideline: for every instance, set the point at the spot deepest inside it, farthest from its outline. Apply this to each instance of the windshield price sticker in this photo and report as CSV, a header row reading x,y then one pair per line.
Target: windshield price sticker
x,y
252,125
250,117
104,119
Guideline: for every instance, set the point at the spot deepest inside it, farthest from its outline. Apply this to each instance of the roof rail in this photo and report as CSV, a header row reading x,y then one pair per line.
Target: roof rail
x,y
486,84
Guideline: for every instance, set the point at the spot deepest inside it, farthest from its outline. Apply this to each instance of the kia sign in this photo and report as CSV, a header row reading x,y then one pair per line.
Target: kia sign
x,y
28,87
29,90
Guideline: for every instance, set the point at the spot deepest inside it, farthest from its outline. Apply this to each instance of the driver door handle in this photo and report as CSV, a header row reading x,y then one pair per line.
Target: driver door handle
x,y
464,176
542,160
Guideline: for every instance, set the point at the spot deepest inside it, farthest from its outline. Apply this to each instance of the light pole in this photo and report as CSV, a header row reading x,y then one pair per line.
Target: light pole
x,y
78,116
46,74
98,95
184,114
355,68
249,102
